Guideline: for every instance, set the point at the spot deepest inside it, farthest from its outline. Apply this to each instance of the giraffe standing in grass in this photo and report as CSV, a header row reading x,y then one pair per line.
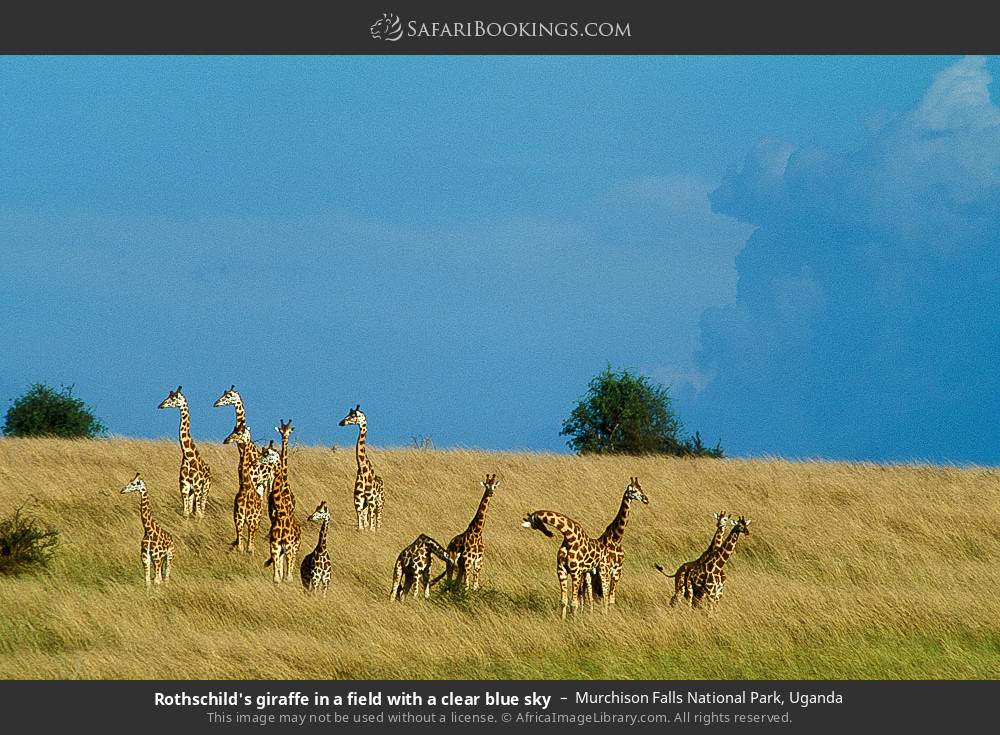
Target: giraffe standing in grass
x,y
369,493
467,550
612,537
316,568
232,398
578,556
413,567
285,535
195,475
709,577
256,478
682,577
281,476
157,547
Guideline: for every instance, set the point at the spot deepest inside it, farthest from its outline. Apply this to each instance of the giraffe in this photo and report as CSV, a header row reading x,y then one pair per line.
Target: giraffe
x,y
315,570
255,478
281,475
195,475
413,567
577,557
369,493
682,577
232,398
157,547
708,578
467,550
285,535
612,537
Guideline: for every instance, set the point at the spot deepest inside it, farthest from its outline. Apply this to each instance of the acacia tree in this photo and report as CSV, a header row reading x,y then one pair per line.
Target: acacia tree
x,y
625,413
44,411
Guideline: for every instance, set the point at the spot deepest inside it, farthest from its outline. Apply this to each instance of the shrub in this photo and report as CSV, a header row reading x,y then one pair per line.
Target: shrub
x,y
44,411
25,544
624,413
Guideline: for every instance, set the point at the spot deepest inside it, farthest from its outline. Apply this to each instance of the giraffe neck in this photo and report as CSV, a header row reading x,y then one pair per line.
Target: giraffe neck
x,y
283,459
145,513
565,525
360,449
185,430
725,551
241,416
616,529
321,544
479,519
717,538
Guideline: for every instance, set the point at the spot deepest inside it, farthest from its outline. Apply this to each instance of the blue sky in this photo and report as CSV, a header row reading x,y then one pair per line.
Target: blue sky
x,y
803,248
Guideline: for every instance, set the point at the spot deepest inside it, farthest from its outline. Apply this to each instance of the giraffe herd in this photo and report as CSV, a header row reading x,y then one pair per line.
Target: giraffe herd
x,y
586,567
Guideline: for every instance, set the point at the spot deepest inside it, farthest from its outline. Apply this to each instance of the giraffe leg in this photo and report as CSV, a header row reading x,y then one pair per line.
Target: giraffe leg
x,y
427,583
475,571
378,512
202,498
166,566
564,588
613,586
397,582
147,563
678,585
416,585
157,570
292,558
574,598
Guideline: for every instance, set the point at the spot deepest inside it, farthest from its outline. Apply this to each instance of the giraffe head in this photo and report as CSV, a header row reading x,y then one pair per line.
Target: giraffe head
x,y
269,456
354,416
174,399
533,521
321,514
634,491
490,484
723,519
136,486
229,398
240,435
285,428
742,525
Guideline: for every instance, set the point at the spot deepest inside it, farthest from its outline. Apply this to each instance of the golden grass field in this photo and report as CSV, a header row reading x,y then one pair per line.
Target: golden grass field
x,y
852,571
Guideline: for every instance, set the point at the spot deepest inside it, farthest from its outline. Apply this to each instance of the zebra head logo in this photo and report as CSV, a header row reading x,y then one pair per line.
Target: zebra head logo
x,y
387,28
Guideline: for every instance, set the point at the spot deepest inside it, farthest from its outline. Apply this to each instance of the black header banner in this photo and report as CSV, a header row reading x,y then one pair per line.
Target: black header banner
x,y
228,27
497,706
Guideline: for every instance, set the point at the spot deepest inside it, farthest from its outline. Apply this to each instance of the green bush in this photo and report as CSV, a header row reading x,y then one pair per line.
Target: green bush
x,y
624,413
24,544
44,411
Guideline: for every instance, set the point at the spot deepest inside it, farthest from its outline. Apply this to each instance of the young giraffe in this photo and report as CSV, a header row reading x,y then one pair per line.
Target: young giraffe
x,y
413,567
577,557
316,569
281,476
256,478
285,535
157,548
232,398
612,537
682,577
708,578
195,475
467,550
369,493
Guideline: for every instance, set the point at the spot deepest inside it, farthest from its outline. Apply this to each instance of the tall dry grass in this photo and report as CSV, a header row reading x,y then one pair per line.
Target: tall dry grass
x,y
852,571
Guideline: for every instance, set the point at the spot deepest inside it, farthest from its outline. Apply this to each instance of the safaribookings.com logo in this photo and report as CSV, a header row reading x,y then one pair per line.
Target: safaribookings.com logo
x,y
390,28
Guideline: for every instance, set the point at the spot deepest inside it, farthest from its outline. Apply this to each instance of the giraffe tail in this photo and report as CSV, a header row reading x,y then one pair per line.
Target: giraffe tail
x,y
663,571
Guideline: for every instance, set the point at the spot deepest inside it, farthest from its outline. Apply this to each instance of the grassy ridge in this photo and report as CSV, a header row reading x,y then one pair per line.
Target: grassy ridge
x,y
852,571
